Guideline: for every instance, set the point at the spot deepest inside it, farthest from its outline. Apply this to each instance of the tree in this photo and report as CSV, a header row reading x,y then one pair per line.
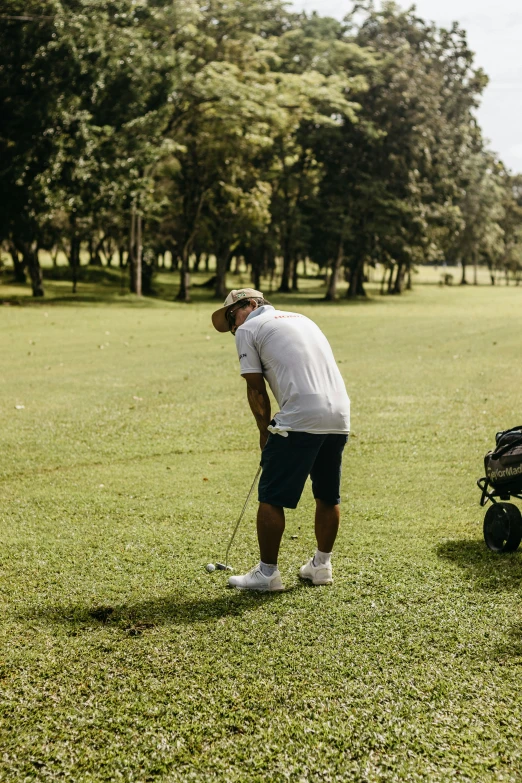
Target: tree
x,y
95,80
239,128
319,85
482,210
395,169
511,225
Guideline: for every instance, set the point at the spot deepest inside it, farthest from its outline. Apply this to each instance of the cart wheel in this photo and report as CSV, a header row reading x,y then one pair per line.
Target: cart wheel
x,y
503,527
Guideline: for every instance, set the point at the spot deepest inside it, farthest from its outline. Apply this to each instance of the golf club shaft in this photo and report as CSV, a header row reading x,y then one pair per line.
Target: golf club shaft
x,y
241,515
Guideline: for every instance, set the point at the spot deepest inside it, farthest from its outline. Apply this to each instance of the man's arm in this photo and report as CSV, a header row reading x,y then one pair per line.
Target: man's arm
x,y
259,402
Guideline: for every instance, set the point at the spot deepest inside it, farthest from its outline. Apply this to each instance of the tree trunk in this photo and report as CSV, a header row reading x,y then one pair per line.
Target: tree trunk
x,y
356,287
135,253
286,275
383,281
139,257
284,287
399,279
475,269
389,287
148,270
331,292
184,277
295,275
74,261
18,265
123,279
94,253
222,260
463,280
32,262
132,247
273,270
491,272
256,275
409,281
352,284
106,250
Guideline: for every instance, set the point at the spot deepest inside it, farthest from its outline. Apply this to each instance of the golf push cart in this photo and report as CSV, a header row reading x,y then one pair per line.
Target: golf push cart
x,y
503,480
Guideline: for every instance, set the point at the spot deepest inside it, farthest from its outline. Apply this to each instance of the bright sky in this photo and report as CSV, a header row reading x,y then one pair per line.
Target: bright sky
x,y
495,35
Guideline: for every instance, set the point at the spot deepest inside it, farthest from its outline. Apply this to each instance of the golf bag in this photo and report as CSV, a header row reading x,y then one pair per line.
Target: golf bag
x,y
503,479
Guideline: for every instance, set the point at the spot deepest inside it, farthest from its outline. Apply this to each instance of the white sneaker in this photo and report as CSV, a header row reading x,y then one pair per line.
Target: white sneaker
x,y
318,575
256,580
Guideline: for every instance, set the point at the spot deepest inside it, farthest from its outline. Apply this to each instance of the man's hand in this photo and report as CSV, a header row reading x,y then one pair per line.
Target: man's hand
x,y
259,402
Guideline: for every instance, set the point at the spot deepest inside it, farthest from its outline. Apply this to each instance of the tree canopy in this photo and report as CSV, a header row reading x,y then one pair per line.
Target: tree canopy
x,y
241,129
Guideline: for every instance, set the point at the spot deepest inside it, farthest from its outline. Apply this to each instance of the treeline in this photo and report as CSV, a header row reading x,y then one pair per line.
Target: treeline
x,y
238,129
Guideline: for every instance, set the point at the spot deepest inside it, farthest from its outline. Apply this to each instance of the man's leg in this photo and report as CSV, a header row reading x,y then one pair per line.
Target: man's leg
x,y
270,529
326,479
318,570
286,464
326,525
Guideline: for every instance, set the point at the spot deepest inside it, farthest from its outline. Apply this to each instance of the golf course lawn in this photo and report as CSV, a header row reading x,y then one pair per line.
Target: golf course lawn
x,y
123,475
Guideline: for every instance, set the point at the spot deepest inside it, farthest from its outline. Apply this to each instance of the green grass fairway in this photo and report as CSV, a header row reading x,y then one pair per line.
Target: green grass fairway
x,y
123,474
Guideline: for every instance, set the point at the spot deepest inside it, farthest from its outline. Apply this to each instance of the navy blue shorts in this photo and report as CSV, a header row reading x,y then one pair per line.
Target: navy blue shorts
x,y
287,463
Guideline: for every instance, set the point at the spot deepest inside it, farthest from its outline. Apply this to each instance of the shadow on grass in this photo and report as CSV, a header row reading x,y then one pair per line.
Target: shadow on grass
x,y
488,570
512,646
114,299
172,609
108,297
102,285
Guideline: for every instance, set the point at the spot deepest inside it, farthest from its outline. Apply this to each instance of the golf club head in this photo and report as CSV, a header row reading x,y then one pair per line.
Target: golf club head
x,y
223,567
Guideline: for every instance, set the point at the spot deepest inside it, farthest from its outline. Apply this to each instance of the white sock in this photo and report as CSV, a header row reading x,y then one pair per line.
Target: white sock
x,y
321,558
267,569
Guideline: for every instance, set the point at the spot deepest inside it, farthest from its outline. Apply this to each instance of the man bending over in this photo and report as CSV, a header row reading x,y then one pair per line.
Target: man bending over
x,y
307,436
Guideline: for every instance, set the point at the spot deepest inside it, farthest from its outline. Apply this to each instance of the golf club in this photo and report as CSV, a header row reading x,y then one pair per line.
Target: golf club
x,y
225,566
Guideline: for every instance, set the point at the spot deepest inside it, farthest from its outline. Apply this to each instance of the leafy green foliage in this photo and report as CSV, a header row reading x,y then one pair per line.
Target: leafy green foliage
x,y
244,129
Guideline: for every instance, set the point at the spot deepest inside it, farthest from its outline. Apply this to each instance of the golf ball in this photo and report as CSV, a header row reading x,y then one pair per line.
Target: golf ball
x,y
211,567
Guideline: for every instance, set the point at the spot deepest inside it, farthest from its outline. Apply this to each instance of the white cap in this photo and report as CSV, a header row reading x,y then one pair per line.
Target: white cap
x,y
219,317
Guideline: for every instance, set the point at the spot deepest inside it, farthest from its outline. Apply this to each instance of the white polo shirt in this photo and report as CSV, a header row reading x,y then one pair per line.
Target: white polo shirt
x,y
296,359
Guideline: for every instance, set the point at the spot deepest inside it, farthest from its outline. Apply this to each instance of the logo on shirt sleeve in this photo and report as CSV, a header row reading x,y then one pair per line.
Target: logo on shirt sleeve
x,y
242,356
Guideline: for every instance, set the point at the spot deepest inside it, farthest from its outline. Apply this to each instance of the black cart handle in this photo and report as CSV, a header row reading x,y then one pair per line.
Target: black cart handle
x,y
507,447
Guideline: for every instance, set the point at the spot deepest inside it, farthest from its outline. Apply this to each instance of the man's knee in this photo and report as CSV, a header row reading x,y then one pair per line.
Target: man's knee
x,y
327,506
270,511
